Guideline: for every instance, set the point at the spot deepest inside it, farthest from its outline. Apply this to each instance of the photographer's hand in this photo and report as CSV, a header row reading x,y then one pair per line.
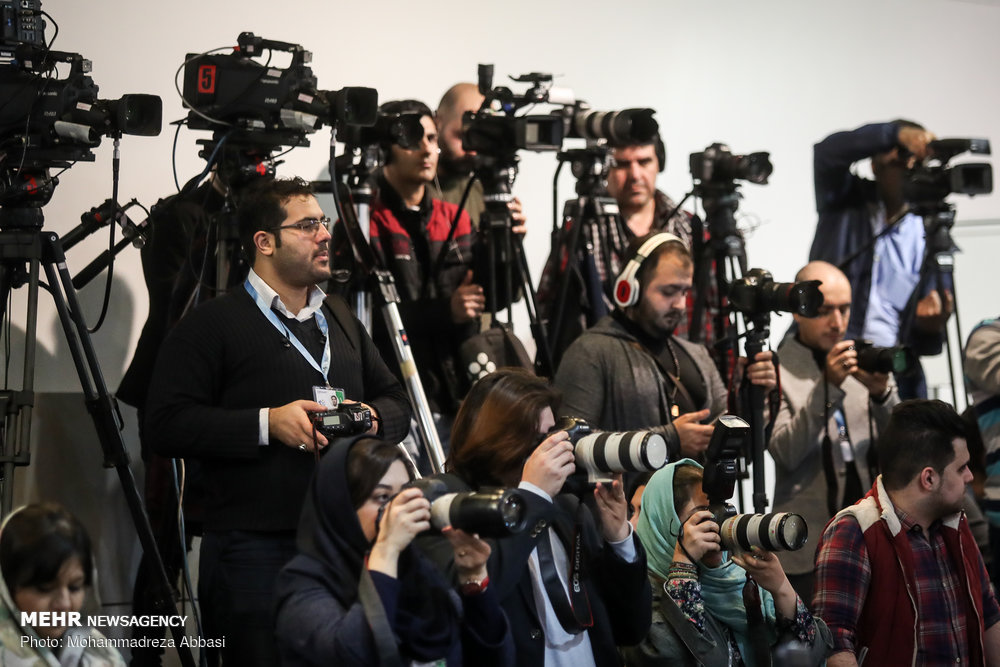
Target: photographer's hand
x,y
694,437
292,426
467,301
915,140
767,571
517,216
700,537
612,509
762,372
931,314
876,383
406,515
375,420
550,464
841,360
471,554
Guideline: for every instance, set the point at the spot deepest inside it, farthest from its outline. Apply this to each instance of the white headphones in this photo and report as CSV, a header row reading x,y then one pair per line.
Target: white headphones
x,y
627,285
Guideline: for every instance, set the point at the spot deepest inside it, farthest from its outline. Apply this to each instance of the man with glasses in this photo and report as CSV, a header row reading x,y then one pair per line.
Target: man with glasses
x,y
235,384
822,440
429,252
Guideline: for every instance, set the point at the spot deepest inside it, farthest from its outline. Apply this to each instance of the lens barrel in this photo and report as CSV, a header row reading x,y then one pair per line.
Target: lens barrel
x,y
777,531
498,513
629,451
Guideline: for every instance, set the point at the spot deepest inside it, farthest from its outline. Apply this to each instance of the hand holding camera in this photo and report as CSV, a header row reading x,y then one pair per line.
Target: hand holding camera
x,y
612,509
292,424
699,537
551,463
406,516
766,570
471,554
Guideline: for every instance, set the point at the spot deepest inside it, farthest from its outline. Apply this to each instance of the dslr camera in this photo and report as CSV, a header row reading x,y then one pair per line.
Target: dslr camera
x,y
756,293
603,453
717,165
898,360
492,513
344,420
777,531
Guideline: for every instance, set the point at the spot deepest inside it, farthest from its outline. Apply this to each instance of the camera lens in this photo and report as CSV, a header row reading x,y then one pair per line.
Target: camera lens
x,y
629,451
778,531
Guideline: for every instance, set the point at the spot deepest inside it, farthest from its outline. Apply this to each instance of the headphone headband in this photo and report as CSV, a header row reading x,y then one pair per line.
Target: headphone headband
x,y
627,284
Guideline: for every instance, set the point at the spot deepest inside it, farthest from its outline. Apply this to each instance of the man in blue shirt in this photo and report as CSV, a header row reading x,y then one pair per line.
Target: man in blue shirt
x,y
892,305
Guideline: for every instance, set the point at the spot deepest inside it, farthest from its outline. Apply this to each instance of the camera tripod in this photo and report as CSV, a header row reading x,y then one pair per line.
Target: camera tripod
x,y
592,214
357,166
938,269
25,249
507,266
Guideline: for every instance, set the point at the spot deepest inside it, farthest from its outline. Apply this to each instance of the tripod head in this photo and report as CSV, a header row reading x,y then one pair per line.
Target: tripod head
x,y
590,168
23,193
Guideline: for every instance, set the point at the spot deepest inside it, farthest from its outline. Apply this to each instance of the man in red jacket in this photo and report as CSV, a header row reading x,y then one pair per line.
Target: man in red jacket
x,y
899,579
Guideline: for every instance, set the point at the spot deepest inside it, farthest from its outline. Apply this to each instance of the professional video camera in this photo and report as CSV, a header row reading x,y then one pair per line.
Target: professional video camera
x,y
493,513
265,104
47,122
495,130
716,166
899,360
757,293
777,531
928,184
603,453
344,420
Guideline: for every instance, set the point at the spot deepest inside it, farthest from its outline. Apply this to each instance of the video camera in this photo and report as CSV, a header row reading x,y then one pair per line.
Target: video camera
x,y
49,122
494,513
717,166
495,130
756,293
777,531
603,453
267,105
930,183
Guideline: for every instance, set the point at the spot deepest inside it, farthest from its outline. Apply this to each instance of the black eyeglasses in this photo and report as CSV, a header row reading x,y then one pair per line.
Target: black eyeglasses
x,y
309,225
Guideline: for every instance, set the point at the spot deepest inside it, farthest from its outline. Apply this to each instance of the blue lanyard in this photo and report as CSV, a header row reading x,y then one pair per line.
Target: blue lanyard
x,y
280,326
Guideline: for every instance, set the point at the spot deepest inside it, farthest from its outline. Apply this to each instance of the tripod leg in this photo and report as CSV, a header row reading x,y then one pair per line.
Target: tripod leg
x,y
103,411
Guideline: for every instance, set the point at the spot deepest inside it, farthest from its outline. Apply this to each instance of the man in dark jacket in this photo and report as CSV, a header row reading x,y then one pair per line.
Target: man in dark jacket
x,y
893,302
631,372
234,386
411,233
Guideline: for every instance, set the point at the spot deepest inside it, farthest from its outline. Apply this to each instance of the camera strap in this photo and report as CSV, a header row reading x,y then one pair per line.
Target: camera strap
x,y
385,639
572,605
756,629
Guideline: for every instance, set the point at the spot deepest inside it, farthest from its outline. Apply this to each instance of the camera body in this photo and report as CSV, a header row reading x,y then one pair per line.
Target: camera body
x,y
756,293
603,453
344,420
929,184
717,165
489,513
265,104
777,531
899,360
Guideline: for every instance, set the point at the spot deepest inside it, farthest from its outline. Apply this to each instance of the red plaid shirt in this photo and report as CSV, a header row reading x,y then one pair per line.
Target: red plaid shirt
x,y
843,575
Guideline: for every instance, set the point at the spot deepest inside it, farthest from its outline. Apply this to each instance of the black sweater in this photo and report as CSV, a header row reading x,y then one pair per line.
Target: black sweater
x,y
217,368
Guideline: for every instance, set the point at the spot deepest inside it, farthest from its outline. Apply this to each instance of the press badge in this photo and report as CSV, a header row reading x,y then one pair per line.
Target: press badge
x,y
328,397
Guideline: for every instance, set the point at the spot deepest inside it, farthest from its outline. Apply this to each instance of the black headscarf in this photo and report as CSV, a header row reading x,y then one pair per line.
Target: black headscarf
x,y
332,550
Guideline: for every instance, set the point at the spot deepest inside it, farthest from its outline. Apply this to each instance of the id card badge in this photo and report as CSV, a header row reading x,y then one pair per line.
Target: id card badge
x,y
329,397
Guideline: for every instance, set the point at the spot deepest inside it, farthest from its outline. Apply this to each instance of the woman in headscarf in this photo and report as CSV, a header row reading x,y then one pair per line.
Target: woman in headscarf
x,y
700,616
47,566
359,594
